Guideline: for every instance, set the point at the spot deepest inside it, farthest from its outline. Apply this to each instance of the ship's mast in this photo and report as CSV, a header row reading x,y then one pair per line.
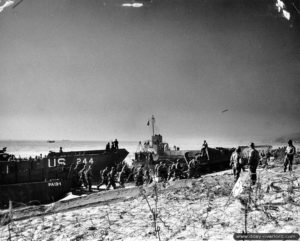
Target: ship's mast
x,y
152,123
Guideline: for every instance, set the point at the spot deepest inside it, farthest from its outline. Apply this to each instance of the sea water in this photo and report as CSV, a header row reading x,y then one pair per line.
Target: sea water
x,y
27,148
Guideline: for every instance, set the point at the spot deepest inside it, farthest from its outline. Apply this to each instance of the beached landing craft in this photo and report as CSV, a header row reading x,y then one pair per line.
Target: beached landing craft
x,y
48,179
156,151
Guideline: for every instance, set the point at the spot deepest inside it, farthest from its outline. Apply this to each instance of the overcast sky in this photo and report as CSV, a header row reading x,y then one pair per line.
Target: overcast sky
x,y
97,70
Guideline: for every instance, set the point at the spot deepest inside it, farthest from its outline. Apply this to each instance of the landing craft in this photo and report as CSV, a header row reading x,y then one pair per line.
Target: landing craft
x,y
48,179
155,151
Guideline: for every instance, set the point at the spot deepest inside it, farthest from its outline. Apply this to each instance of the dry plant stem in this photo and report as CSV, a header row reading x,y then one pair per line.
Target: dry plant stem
x,y
154,212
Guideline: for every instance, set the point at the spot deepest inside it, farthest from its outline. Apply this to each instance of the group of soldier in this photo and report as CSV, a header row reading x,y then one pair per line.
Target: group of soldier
x,y
83,175
180,169
113,146
237,161
122,174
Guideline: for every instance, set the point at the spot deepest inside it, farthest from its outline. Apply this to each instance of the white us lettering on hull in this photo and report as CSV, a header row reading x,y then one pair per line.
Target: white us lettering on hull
x,y
55,162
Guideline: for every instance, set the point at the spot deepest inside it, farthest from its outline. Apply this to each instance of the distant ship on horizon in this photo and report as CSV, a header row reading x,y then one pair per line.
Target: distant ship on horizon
x,y
51,141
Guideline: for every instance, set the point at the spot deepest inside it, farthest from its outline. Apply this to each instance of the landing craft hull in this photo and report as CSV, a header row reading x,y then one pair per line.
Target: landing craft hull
x,y
100,159
50,178
219,158
36,192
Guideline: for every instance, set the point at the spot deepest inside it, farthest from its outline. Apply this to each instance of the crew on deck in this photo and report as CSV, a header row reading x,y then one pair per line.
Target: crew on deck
x,y
204,150
3,150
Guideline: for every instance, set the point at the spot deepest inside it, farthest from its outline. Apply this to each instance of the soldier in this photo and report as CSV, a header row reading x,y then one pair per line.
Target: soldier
x,y
3,150
83,177
157,166
139,178
77,180
131,174
253,162
192,168
104,178
107,146
119,167
160,171
204,150
147,177
88,177
111,179
113,145
262,154
181,168
268,156
172,171
150,158
289,156
236,163
164,172
122,177
116,144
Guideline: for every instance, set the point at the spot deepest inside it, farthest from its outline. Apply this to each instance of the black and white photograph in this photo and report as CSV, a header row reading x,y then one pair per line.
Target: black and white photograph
x,y
149,120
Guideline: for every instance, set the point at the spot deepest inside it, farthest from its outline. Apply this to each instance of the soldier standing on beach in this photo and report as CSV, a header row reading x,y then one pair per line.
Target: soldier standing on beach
x,y
147,177
157,166
192,168
88,177
139,178
236,163
111,179
253,162
77,174
104,178
172,171
82,176
122,177
289,156
178,170
164,172
268,156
